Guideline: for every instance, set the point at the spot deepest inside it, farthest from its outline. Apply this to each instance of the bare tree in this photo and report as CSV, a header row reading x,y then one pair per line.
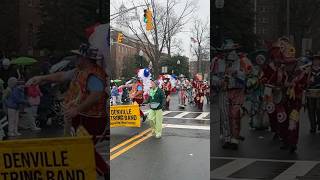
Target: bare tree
x,y
166,25
201,41
174,22
176,45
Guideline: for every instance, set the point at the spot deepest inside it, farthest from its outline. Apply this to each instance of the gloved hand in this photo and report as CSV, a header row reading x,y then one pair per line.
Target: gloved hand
x,y
292,125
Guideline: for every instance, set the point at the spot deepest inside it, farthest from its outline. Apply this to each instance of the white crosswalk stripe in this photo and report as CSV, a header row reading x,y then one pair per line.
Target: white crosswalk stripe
x,y
182,115
297,169
203,115
177,126
166,112
3,122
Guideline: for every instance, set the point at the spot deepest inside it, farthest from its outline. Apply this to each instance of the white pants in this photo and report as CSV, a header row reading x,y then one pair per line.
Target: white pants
x,y
114,100
13,120
120,97
34,111
67,127
28,119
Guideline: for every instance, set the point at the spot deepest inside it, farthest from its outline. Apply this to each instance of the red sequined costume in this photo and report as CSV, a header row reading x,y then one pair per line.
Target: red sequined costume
x,y
200,89
167,89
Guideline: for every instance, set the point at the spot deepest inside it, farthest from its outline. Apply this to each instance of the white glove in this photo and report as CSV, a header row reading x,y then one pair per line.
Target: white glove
x,y
292,125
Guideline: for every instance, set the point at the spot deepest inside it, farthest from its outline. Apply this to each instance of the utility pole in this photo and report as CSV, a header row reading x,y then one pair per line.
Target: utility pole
x,y
116,15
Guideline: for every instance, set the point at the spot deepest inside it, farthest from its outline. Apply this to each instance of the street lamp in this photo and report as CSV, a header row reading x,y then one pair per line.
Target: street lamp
x,y
219,6
140,54
178,63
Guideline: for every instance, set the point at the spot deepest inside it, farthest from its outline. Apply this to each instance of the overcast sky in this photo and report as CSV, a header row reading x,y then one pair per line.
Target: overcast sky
x,y
202,12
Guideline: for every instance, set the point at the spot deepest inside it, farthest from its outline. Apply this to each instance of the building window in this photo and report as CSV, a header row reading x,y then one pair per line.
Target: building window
x,y
263,20
30,3
263,9
30,35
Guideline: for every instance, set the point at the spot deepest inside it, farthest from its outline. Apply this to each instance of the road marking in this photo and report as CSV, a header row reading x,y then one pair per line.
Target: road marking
x,y
130,140
176,126
230,168
272,160
203,115
181,115
166,112
166,117
297,169
147,134
113,156
4,121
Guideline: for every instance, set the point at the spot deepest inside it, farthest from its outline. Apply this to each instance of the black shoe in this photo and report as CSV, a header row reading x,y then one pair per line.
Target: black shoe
x,y
241,138
312,131
106,177
144,118
226,145
234,146
293,148
284,147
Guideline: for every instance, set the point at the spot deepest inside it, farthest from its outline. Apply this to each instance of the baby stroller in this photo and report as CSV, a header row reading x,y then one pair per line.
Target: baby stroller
x,y
50,108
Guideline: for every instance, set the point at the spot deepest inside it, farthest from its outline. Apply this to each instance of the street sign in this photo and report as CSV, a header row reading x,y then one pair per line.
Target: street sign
x,y
58,158
120,37
125,116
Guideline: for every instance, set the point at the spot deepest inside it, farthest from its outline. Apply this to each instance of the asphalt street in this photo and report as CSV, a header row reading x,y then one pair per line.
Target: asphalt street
x,y
181,154
259,157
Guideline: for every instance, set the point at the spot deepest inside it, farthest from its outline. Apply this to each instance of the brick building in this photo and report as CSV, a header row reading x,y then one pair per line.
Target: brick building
x,y
268,21
26,20
129,47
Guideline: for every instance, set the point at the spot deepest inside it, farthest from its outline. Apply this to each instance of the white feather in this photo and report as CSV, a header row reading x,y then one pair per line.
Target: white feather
x,y
145,80
100,39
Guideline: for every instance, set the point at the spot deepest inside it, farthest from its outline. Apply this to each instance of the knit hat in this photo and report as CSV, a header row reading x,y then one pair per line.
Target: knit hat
x,y
12,81
6,62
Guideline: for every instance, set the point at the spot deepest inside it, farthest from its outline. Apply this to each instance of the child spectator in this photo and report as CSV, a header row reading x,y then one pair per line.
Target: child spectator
x,y
33,94
114,94
14,99
120,90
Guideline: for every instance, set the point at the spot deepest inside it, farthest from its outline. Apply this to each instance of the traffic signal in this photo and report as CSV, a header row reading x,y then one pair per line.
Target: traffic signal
x,y
120,37
148,19
145,16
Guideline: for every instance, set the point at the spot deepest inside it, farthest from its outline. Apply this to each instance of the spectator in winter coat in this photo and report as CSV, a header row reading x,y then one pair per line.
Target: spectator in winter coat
x,y
14,99
33,94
